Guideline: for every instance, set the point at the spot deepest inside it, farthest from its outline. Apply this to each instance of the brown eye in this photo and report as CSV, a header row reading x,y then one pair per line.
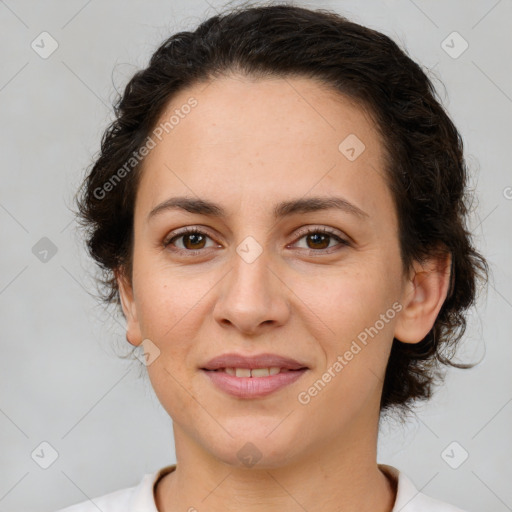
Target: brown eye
x,y
192,240
319,239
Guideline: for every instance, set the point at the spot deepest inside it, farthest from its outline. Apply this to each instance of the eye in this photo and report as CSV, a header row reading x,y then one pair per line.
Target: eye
x,y
193,240
319,239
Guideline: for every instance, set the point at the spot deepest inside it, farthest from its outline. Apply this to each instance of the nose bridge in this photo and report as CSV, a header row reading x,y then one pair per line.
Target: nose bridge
x,y
251,270
251,294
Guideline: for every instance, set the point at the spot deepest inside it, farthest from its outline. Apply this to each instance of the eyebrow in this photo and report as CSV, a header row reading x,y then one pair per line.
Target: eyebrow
x,y
281,210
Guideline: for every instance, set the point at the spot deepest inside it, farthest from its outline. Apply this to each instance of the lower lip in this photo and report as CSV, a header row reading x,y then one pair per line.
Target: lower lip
x,y
252,387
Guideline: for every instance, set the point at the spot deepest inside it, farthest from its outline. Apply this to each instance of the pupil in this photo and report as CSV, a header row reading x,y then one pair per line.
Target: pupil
x,y
193,235
319,235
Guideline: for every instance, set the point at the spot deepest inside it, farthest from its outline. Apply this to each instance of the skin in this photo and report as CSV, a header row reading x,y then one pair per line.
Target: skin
x,y
248,145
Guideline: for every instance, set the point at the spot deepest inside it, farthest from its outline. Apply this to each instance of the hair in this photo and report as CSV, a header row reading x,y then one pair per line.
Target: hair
x,y
424,168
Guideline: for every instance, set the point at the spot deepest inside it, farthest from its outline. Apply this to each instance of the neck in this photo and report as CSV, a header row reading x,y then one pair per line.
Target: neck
x,y
339,474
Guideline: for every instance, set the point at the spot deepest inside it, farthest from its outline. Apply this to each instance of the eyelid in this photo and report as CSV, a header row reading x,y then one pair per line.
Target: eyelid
x,y
185,231
331,232
313,228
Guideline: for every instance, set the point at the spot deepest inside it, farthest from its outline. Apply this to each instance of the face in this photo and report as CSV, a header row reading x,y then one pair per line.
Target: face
x,y
307,284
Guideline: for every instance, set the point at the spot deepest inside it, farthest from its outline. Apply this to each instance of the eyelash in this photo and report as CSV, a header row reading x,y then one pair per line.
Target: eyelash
x,y
191,230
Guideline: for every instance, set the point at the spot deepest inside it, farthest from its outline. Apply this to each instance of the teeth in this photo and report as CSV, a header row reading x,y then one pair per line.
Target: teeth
x,y
260,372
255,372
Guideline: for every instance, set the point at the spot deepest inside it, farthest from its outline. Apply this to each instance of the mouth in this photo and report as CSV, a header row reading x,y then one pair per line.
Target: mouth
x,y
252,383
252,375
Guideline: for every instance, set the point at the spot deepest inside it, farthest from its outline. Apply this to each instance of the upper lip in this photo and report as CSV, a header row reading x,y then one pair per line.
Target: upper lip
x,y
255,361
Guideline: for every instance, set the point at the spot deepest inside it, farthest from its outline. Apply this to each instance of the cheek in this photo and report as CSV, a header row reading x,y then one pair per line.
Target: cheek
x,y
357,307
166,301
170,312
172,388
359,312
351,299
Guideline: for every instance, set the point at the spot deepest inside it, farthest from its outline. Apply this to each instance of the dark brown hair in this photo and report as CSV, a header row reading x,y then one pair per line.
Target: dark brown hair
x,y
425,167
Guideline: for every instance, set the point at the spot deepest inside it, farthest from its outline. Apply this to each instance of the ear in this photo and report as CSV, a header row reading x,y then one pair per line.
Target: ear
x,y
423,295
133,333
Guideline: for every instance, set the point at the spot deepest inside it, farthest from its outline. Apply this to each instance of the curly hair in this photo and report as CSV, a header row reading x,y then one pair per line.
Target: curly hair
x,y
425,168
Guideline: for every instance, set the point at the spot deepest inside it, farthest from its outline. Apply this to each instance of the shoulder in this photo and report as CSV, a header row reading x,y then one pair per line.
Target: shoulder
x,y
410,499
425,503
117,501
138,498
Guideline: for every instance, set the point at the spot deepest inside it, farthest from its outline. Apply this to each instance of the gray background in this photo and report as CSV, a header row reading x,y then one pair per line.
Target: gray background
x,y
62,381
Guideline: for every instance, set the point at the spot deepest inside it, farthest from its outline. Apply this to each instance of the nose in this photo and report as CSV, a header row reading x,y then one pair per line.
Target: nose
x,y
253,297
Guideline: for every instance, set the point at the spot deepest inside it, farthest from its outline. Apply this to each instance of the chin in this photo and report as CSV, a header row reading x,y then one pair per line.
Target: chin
x,y
249,456
257,444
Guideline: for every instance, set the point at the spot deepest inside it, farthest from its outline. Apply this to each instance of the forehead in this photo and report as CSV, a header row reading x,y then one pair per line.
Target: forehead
x,y
261,140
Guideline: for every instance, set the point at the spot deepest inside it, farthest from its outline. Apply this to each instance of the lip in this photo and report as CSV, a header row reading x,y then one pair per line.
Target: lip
x,y
252,387
266,360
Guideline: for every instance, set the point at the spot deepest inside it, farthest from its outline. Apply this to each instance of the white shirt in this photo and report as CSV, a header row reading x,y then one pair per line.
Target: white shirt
x,y
141,498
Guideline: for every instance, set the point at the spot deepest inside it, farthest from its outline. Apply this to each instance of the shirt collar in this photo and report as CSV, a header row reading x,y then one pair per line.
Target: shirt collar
x,y
144,497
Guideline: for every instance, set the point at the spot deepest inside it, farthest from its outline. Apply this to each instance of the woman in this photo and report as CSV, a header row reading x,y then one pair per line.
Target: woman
x,y
279,211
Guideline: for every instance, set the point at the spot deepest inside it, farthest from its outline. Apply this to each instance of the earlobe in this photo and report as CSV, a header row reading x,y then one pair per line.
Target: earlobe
x,y
423,296
133,333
